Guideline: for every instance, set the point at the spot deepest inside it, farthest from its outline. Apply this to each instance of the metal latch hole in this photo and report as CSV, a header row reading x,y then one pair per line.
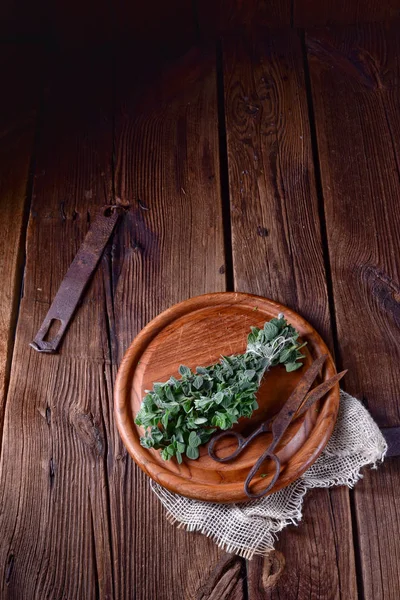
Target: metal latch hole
x,y
52,330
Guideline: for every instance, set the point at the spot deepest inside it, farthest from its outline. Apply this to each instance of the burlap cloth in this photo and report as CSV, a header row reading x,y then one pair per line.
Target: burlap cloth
x,y
251,528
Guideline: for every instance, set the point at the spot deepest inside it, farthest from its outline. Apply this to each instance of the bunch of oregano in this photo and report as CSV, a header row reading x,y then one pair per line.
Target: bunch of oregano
x,y
182,414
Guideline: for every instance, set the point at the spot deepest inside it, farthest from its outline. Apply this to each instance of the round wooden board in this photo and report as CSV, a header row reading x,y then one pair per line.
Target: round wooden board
x,y
196,333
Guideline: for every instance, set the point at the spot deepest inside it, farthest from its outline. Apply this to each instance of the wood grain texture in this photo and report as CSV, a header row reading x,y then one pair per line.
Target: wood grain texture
x,y
263,575
357,124
18,117
224,16
80,24
277,252
309,13
275,232
22,19
155,23
170,247
70,23
78,520
392,437
226,581
53,492
164,23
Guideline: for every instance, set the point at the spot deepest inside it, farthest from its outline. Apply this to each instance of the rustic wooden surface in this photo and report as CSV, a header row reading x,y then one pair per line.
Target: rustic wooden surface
x,y
56,428
222,16
361,189
277,252
18,117
72,23
269,166
170,247
308,13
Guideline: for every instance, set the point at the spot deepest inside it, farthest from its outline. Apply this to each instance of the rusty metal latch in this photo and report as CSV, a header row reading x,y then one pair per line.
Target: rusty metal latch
x,y
77,278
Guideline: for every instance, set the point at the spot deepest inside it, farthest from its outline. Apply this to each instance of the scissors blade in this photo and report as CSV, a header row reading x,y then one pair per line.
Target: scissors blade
x,y
319,392
295,400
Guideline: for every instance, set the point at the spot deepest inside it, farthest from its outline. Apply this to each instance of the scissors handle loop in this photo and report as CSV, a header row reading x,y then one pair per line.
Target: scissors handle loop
x,y
252,473
242,442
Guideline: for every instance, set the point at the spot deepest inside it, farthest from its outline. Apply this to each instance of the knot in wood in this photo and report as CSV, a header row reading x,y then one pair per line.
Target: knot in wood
x,y
88,431
274,566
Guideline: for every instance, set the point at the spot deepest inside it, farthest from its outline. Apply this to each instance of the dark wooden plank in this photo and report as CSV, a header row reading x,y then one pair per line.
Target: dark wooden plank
x,y
308,13
155,23
169,248
226,582
53,483
277,253
22,18
355,81
71,23
18,115
392,437
226,16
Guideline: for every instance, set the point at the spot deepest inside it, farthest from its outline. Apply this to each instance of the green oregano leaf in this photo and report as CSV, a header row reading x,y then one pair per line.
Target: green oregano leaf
x,y
192,452
288,355
202,370
187,405
293,366
271,331
198,382
168,393
218,398
249,374
194,440
184,371
164,419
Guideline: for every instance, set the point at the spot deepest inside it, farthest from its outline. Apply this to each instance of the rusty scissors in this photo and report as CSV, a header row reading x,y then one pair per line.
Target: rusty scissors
x,y
300,400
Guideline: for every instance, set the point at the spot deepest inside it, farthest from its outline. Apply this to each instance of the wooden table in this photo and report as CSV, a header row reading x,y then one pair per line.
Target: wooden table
x,y
266,165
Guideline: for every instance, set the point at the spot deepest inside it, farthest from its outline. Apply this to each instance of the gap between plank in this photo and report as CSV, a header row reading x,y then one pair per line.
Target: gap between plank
x,y
226,214
329,284
224,172
356,545
245,579
196,22
109,318
113,109
111,420
321,207
96,570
